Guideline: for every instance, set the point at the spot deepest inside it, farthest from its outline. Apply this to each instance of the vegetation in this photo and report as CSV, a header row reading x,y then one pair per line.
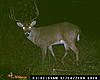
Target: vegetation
x,y
22,57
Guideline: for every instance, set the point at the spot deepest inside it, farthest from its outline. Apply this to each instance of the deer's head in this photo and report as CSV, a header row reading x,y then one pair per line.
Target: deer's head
x,y
27,27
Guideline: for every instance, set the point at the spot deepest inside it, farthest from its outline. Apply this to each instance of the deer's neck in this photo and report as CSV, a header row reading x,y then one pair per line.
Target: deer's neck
x,y
32,34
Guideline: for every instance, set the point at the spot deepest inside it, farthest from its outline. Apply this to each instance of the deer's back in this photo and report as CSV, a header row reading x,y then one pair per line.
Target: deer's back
x,y
49,34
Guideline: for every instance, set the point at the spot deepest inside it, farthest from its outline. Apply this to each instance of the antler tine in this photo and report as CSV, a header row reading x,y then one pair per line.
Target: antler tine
x,y
11,16
37,11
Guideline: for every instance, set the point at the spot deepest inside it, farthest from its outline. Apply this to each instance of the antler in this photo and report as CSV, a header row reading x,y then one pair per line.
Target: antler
x,y
37,11
11,16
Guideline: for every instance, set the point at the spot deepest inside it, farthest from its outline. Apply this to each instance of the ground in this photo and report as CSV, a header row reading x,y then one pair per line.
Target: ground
x,y
22,57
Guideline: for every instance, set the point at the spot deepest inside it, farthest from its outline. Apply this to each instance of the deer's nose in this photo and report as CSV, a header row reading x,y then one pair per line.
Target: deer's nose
x,y
27,34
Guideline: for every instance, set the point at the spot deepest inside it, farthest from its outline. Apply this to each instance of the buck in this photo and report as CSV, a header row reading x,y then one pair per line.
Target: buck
x,y
47,36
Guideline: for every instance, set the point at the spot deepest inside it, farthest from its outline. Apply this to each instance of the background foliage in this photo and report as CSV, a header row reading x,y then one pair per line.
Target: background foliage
x,y
22,57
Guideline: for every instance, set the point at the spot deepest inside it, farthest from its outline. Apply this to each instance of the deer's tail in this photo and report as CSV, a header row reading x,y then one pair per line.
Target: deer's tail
x,y
78,35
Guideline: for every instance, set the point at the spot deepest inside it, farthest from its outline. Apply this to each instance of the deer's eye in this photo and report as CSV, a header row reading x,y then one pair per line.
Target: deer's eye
x,y
29,27
23,28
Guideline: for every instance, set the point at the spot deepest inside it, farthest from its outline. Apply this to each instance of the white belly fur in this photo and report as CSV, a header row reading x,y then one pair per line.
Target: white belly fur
x,y
56,43
59,42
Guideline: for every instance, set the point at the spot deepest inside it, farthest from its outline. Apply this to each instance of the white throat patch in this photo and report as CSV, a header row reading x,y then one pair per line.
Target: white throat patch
x,y
29,35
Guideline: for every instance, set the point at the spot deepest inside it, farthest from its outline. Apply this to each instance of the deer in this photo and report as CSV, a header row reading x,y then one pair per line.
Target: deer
x,y
46,37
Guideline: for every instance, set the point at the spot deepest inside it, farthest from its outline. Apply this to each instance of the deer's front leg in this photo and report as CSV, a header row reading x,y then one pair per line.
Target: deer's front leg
x,y
44,51
51,50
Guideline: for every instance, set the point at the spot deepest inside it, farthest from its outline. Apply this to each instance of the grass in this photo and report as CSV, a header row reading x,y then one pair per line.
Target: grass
x,y
22,57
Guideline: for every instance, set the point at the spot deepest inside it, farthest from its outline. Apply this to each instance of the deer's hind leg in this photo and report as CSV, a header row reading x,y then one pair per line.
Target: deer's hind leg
x,y
71,40
75,50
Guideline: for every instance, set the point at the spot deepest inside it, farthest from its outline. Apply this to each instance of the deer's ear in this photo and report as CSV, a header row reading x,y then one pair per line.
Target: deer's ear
x,y
19,24
33,23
